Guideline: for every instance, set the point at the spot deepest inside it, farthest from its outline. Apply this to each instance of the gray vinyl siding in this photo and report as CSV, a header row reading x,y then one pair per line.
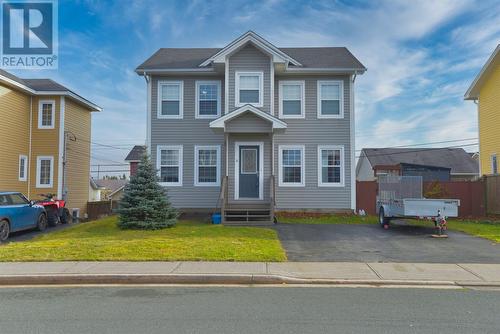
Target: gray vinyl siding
x,y
248,123
312,132
187,132
250,59
266,139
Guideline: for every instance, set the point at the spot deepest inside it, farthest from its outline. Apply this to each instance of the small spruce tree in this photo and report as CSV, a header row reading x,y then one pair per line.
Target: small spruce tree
x,y
145,204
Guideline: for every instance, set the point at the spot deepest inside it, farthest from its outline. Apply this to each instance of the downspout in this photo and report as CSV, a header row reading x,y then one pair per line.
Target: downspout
x,y
148,111
353,144
29,147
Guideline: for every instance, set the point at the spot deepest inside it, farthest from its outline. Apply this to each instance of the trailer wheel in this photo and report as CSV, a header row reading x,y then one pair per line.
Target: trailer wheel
x,y
382,219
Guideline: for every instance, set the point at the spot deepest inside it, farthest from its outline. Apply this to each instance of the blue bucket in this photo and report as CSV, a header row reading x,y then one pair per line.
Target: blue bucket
x,y
216,218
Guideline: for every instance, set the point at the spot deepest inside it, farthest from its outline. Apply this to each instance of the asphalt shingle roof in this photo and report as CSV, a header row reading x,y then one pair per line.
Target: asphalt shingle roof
x,y
136,153
312,57
457,159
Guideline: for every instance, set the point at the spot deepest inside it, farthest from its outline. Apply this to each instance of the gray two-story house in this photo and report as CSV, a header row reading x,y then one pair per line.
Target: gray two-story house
x,y
252,128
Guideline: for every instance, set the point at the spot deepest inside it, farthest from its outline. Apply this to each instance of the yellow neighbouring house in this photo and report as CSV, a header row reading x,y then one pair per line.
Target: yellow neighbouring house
x,y
45,145
485,91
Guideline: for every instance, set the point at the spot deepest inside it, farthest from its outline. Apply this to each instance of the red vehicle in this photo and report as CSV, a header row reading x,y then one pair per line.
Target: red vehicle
x,y
55,208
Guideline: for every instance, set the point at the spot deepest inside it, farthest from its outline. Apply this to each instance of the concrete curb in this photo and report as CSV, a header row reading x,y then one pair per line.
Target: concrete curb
x,y
235,279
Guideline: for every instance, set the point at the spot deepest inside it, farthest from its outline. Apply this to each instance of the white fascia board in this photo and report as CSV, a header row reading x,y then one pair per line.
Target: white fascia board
x,y
325,70
278,55
471,93
220,122
31,91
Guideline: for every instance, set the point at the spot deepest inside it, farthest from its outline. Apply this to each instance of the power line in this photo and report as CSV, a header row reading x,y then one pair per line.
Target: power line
x,y
431,143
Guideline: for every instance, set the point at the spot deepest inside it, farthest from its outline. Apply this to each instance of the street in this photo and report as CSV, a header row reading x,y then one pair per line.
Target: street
x,y
246,310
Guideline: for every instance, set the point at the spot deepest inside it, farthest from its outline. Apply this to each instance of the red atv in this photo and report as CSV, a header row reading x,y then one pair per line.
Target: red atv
x,y
55,208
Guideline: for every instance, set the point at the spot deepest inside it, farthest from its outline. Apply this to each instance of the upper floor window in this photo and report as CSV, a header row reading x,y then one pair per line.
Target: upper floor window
x,y
330,166
494,164
44,171
291,97
206,165
46,111
330,101
170,99
208,101
23,167
291,165
169,163
249,86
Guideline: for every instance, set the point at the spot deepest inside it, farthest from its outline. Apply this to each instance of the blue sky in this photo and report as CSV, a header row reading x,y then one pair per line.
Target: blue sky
x,y
421,57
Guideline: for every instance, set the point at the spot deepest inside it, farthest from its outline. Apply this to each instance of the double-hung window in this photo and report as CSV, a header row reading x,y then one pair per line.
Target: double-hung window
x,y
330,166
44,171
208,101
207,165
291,99
330,101
46,114
291,165
169,164
249,86
170,99
23,167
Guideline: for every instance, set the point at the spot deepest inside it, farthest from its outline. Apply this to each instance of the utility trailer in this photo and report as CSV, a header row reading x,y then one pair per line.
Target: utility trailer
x,y
401,197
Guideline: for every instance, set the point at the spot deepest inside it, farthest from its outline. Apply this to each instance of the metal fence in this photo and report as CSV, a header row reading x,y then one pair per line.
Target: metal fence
x,y
396,187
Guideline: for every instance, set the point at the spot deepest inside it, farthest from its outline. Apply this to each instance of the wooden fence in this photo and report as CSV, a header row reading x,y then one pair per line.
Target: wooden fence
x,y
492,194
470,193
98,209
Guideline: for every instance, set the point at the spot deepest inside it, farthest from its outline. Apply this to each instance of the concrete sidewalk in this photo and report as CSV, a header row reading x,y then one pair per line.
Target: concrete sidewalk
x,y
354,273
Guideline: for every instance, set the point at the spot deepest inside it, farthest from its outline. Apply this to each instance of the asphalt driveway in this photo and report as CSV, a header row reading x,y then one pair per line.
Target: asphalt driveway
x,y
370,243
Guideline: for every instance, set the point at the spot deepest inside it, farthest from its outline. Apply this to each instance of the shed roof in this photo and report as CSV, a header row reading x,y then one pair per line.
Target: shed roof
x,y
457,159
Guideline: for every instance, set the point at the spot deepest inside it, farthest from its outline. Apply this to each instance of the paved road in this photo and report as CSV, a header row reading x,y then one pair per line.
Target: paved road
x,y
30,234
370,243
247,310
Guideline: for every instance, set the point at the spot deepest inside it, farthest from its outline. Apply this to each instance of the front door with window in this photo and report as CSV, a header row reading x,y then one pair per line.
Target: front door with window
x,y
249,172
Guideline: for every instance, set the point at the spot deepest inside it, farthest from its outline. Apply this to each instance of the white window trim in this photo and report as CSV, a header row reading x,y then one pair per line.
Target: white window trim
x,y
302,98
158,163
38,167
302,149
197,105
196,166
237,89
491,164
25,169
341,98
159,99
342,166
40,104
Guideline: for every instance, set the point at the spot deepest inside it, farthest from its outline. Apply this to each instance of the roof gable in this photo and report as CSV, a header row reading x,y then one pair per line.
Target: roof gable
x,y
277,55
219,123
494,60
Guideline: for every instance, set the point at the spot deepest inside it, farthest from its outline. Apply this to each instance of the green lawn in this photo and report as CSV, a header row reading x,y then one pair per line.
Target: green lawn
x,y
481,228
101,240
311,218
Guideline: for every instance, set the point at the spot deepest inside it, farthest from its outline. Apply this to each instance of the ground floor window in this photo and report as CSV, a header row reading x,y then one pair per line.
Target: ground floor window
x,y
44,171
169,164
330,166
291,165
494,164
23,167
207,165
